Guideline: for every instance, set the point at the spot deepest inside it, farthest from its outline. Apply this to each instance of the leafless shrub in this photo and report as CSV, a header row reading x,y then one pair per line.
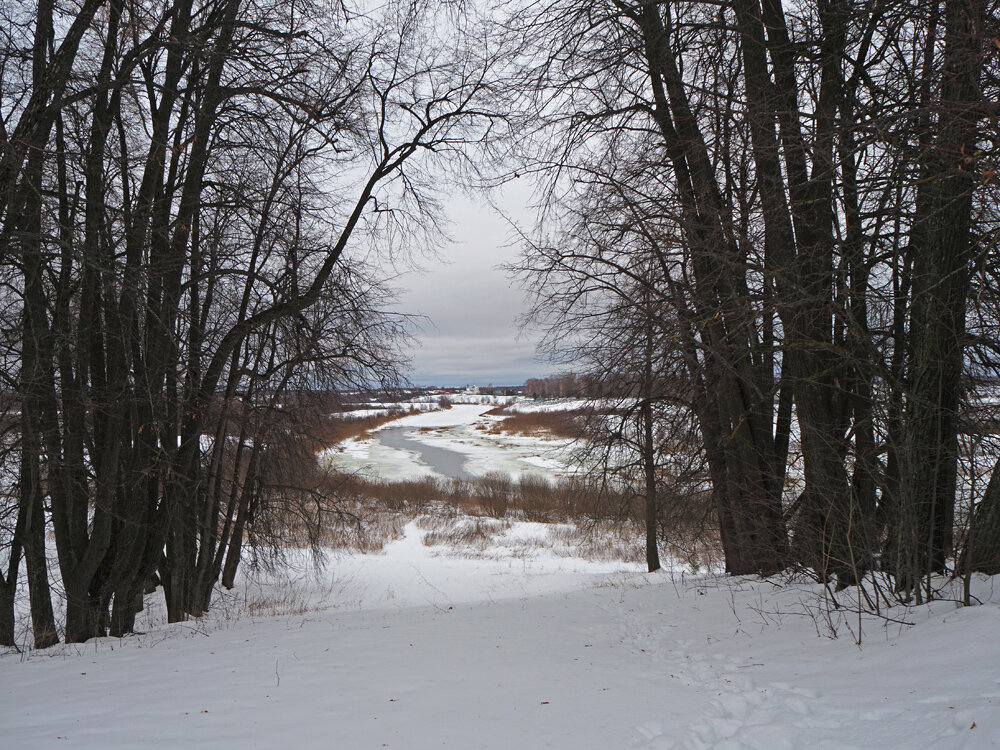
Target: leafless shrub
x,y
494,492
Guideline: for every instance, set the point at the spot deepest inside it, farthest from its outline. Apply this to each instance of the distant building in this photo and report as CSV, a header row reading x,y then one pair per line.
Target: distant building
x,y
471,390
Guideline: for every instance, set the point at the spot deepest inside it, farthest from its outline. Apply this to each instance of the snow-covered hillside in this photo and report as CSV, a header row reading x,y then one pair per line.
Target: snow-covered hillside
x,y
412,649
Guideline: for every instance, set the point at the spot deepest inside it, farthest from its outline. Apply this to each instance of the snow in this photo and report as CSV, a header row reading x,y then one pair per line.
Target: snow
x,y
543,462
511,454
373,458
527,406
461,414
409,573
415,649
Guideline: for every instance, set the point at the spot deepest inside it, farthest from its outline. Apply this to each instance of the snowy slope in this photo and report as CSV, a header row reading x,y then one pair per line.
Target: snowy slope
x,y
415,650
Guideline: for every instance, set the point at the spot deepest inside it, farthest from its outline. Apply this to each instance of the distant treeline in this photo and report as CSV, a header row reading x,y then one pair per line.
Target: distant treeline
x,y
577,385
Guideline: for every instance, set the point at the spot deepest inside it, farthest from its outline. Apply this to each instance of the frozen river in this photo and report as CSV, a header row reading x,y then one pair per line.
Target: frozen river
x,y
455,443
442,461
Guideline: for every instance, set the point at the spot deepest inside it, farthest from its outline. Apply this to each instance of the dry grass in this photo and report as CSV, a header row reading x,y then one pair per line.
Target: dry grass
x,y
287,602
364,529
602,541
470,517
471,533
560,424
329,431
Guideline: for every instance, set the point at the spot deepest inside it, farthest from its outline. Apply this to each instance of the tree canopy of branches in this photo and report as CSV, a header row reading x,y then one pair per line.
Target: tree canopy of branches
x,y
188,194
792,199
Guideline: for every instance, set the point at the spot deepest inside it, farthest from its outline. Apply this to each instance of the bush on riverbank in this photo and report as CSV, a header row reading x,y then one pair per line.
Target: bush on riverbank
x,y
601,523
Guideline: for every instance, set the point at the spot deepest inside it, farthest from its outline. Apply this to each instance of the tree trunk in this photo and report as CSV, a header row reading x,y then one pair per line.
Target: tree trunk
x,y
43,621
7,615
647,441
982,547
8,583
921,537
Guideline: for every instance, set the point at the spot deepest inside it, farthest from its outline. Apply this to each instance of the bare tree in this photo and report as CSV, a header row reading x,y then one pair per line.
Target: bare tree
x,y
807,176
189,244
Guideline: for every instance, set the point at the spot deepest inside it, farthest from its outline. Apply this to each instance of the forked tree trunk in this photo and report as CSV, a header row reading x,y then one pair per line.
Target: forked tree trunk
x,y
740,446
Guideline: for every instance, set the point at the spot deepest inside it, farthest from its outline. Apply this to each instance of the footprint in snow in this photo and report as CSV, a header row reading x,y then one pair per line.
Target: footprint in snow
x,y
652,737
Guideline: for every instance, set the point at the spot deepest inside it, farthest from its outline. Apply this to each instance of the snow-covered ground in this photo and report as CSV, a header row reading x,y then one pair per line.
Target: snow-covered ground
x,y
414,649
510,641
464,429
527,406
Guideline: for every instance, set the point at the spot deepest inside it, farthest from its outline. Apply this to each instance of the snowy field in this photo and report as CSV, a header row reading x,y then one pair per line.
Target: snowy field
x,y
412,649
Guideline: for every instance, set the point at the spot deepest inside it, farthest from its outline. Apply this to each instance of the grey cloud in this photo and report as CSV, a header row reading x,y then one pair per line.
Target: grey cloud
x,y
471,307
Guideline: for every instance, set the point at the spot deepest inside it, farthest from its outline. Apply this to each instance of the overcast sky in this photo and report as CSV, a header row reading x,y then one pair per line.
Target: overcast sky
x,y
471,335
